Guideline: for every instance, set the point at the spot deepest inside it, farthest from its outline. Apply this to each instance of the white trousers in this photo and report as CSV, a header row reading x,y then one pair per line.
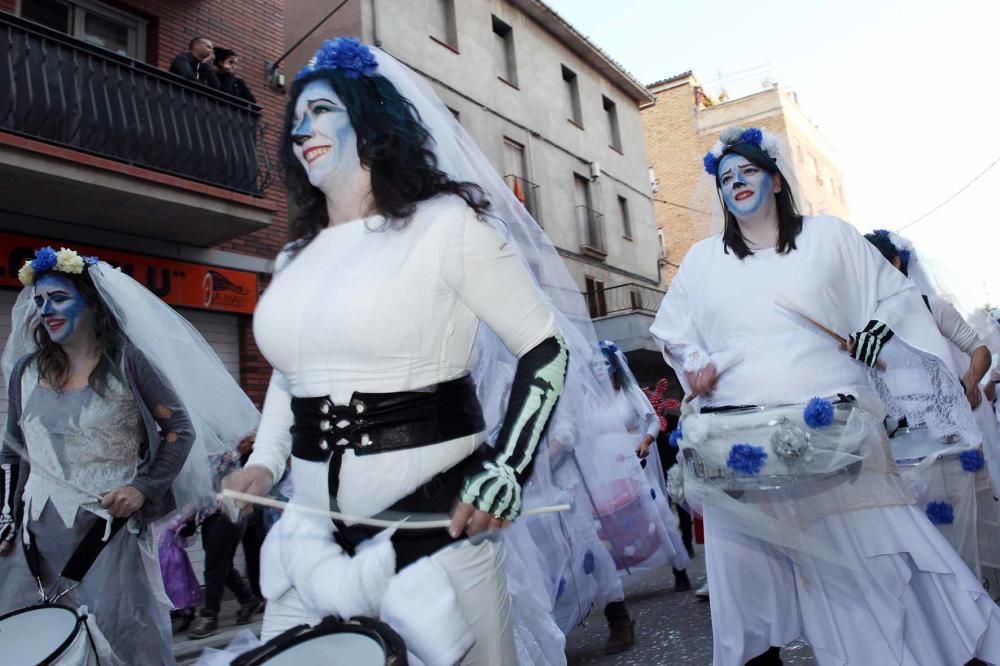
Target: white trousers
x,y
477,575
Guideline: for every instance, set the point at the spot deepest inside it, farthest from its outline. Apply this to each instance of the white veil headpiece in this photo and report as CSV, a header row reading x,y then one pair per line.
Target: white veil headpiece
x,y
220,411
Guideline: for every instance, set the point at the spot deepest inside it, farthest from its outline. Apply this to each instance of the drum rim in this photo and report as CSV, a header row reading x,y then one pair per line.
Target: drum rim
x,y
310,633
80,619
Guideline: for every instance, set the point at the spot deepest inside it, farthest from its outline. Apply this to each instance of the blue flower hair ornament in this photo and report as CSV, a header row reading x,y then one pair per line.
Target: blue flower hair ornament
x,y
47,259
751,136
608,345
746,459
346,54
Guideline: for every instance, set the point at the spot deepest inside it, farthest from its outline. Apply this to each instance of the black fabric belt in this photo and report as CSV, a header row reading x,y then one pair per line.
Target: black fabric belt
x,y
436,496
379,422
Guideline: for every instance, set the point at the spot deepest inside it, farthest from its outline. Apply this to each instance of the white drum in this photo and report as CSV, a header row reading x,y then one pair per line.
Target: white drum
x,y
775,448
943,476
45,634
913,446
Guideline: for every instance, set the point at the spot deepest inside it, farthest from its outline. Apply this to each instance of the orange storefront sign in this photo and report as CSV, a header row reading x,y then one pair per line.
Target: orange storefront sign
x,y
179,283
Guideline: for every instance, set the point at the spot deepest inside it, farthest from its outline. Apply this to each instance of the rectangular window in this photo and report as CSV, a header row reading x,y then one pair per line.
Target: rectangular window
x,y
626,222
596,303
515,162
503,52
441,22
92,22
591,222
614,136
573,110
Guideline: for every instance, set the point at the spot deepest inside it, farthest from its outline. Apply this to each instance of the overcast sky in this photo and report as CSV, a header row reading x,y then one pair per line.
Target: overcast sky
x,y
905,91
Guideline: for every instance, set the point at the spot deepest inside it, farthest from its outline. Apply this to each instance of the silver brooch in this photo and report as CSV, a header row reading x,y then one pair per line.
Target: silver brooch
x,y
791,443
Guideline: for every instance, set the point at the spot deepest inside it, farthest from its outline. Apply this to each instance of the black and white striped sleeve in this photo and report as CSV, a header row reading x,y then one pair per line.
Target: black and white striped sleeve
x,y
867,344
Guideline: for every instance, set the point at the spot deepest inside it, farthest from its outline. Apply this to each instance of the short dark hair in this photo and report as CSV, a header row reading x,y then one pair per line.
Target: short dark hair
x,y
393,144
884,244
195,40
789,218
222,53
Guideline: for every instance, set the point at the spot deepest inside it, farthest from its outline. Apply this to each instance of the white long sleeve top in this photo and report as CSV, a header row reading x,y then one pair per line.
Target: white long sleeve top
x,y
369,309
722,308
953,326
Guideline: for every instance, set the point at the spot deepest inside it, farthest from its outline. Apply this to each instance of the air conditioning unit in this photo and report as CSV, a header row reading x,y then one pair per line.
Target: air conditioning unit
x,y
595,170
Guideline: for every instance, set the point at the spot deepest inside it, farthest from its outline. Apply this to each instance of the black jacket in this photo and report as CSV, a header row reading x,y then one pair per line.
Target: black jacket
x,y
234,85
185,65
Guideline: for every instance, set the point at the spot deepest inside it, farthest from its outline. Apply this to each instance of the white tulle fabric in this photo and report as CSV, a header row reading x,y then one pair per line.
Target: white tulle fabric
x,y
220,411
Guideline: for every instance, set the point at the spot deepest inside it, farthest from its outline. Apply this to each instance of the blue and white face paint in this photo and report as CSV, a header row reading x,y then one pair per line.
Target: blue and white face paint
x,y
746,188
324,139
62,308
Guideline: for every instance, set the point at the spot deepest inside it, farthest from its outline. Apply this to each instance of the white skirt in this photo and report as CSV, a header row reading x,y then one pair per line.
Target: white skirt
x,y
909,599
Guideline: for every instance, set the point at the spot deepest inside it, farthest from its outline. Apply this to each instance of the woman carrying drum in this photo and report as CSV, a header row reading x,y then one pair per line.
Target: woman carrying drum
x,y
100,443
809,532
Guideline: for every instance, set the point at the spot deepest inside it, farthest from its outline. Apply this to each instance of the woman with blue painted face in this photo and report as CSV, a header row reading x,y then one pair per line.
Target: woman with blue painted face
x,y
99,444
395,288
793,339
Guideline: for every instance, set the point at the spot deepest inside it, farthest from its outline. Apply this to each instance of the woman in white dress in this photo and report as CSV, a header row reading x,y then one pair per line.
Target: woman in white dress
x,y
854,569
370,323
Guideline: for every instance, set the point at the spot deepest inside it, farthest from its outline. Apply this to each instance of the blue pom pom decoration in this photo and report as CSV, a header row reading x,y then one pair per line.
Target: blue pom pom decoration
x,y
941,513
818,413
346,54
752,135
588,562
711,163
609,345
45,259
746,459
676,436
972,461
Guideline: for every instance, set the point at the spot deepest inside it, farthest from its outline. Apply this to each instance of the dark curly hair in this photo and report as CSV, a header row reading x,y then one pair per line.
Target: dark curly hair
x,y
52,362
789,218
393,145
884,244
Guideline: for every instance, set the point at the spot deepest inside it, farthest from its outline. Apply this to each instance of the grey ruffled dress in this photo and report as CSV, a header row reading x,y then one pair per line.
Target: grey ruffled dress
x,y
80,444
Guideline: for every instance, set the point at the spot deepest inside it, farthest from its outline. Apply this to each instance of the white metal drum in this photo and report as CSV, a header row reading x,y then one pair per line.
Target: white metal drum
x,y
49,634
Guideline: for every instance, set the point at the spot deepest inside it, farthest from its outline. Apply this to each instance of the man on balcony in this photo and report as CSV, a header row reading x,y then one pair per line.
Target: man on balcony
x,y
196,64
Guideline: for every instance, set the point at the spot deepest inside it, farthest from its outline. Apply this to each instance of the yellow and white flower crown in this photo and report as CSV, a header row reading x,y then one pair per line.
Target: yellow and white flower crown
x,y
46,260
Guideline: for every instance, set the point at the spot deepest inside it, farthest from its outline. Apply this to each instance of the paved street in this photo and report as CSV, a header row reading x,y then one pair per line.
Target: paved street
x,y
671,629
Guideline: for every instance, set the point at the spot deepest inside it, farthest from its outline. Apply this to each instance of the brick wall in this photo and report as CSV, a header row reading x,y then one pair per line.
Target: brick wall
x,y
672,143
255,30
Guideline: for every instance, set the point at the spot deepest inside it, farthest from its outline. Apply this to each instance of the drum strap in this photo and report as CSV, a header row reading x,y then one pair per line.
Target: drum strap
x,y
83,556
436,496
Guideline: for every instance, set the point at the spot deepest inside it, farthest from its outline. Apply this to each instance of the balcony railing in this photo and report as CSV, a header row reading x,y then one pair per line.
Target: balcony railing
x,y
526,192
591,232
623,298
65,92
